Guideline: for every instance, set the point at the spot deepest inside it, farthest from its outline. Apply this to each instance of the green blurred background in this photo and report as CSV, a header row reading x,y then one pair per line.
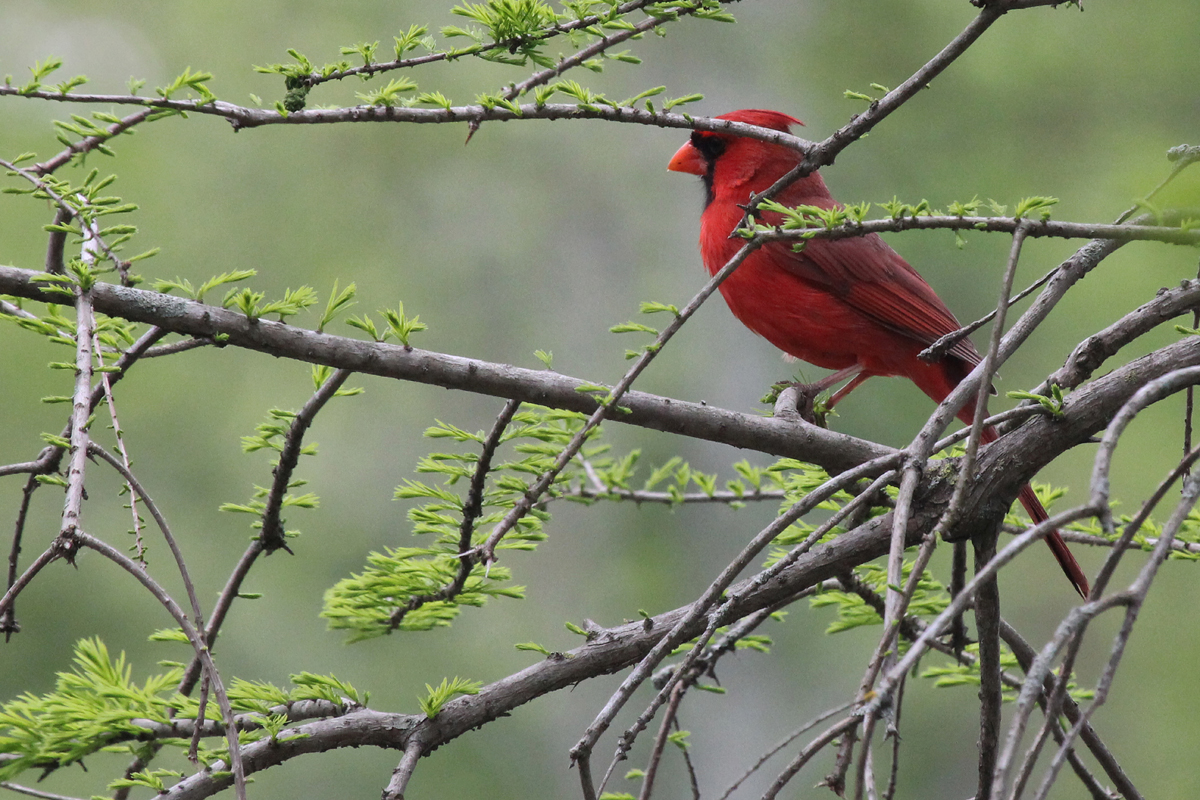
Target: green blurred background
x,y
541,236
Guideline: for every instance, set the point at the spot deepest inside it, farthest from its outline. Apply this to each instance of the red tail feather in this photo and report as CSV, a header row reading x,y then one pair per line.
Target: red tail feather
x,y
1070,566
1033,507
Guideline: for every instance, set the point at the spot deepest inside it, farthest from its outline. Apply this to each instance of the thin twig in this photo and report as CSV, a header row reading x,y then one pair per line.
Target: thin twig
x,y
1150,393
487,551
201,707
1189,403
57,241
511,44
720,615
1048,228
1070,630
472,509
136,489
894,733
665,498
283,472
591,51
823,153
50,458
804,756
57,549
1090,354
243,117
990,365
693,779
1183,156
935,628
273,535
64,214
89,143
782,743
182,346
660,741
224,601
120,436
1025,654
8,617
1137,595
679,632
919,450
913,627
31,792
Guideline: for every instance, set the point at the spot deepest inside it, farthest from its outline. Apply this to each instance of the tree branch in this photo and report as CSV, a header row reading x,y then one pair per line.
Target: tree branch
x,y
795,439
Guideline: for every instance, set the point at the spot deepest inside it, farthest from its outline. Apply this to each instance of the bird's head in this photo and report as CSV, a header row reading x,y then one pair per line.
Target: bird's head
x,y
728,160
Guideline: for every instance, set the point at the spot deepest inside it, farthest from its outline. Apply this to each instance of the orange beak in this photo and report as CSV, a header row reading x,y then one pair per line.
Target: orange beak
x,y
688,159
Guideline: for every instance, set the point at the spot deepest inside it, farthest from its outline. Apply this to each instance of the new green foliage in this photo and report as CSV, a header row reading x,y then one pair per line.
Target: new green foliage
x,y
410,588
446,691
98,705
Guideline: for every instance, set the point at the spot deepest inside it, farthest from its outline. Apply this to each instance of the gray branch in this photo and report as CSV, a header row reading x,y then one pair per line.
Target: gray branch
x,y
791,438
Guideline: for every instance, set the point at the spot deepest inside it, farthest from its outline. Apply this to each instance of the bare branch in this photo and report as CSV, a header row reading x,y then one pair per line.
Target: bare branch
x,y
791,737
96,451
805,755
665,498
1108,762
987,626
682,630
31,792
660,741
404,770
55,551
8,617
80,409
224,601
119,434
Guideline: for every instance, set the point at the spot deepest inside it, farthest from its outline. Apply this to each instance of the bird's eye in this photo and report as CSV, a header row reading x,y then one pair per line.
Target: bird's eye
x,y
709,145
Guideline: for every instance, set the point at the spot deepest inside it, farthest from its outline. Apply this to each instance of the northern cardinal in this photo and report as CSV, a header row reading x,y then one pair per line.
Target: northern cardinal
x,y
850,305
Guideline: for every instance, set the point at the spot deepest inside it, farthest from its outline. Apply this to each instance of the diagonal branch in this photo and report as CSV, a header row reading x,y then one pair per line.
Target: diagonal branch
x,y
487,551
471,511
89,143
273,535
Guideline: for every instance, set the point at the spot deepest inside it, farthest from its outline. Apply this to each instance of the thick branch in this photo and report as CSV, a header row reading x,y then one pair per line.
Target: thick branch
x,y
834,451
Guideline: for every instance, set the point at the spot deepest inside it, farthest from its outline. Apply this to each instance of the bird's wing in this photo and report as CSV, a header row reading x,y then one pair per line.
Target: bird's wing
x,y
872,278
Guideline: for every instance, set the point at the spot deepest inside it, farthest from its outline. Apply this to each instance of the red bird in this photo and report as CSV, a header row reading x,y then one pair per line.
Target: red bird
x,y
850,305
